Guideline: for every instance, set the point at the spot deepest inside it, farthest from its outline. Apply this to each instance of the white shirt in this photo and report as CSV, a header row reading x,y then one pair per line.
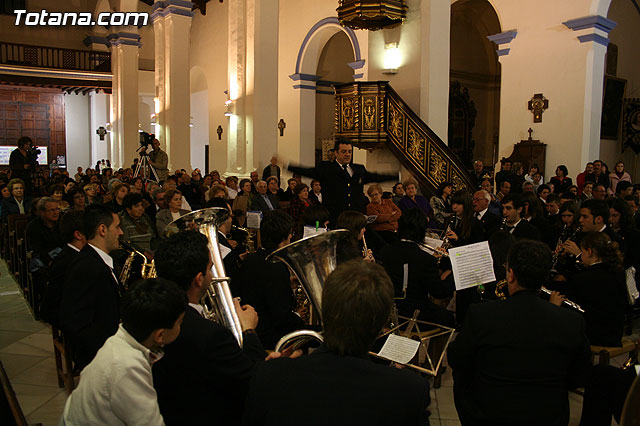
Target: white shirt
x,y
319,197
116,388
349,169
175,215
74,247
232,193
514,226
481,214
198,308
20,205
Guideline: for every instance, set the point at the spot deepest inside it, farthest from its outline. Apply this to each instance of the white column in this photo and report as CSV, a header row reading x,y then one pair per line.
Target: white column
x,y
124,66
237,66
172,25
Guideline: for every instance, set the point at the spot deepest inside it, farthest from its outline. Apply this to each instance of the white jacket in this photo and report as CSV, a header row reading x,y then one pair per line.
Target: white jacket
x,y
116,388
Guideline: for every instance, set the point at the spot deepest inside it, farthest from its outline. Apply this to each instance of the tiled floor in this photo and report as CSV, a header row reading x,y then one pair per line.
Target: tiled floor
x,y
26,351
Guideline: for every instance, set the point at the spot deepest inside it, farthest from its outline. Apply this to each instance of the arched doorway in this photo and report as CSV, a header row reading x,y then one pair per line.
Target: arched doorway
x,y
333,68
474,97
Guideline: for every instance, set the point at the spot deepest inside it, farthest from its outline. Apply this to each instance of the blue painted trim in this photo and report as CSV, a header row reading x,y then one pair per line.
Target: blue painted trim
x,y
161,13
324,22
503,37
358,75
596,38
304,77
594,21
123,35
503,52
167,3
304,86
357,64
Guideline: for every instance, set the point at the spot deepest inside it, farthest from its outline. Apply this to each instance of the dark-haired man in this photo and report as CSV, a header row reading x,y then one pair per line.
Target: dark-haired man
x,y
524,352
356,302
594,217
74,240
512,207
116,388
205,372
90,308
267,286
342,181
20,162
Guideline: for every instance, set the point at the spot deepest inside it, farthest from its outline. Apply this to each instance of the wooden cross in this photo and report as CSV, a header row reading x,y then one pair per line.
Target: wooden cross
x,y
537,105
530,131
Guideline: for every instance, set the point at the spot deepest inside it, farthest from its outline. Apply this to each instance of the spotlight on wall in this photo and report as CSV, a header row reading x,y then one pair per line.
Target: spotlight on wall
x,y
190,121
228,108
153,120
392,58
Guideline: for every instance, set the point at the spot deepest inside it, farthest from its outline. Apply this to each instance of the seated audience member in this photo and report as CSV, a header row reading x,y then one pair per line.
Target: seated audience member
x,y
273,187
315,193
494,205
136,226
242,201
267,285
217,191
356,303
623,189
43,234
412,200
398,193
204,370
288,193
76,199
118,191
524,352
299,203
599,192
117,386
490,222
90,308
587,191
232,187
386,212
57,193
74,240
617,176
91,194
561,181
505,189
423,279
600,289
18,202
173,200
263,200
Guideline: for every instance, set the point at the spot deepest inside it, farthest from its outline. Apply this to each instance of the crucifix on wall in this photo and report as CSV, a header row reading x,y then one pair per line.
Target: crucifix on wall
x,y
537,105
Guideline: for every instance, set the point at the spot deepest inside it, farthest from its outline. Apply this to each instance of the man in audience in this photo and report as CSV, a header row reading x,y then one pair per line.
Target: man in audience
x,y
90,308
159,160
477,173
117,386
599,192
74,240
189,191
505,189
272,169
43,235
357,299
232,187
512,208
316,191
581,178
79,175
204,371
267,285
490,222
263,200
524,352
505,172
254,180
598,177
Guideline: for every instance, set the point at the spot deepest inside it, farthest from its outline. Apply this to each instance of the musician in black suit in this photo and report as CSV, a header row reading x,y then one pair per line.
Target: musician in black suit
x,y
512,208
204,373
356,302
514,360
267,285
74,240
90,307
490,222
342,181
264,200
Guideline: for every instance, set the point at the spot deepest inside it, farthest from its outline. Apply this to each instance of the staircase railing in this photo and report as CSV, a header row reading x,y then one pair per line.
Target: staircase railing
x,y
372,114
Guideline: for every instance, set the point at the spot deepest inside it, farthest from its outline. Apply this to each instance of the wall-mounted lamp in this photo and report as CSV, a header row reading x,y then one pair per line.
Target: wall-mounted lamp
x,y
392,58
229,105
108,127
190,121
153,120
140,128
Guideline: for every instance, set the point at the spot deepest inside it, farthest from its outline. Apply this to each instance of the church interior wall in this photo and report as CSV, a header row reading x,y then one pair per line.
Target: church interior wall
x,y
78,129
625,35
546,57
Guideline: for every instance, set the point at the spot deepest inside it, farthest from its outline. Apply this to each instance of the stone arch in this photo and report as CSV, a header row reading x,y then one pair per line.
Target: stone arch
x,y
316,39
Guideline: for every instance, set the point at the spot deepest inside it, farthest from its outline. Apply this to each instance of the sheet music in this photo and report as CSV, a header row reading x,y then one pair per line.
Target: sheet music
x,y
371,219
399,349
224,250
311,230
253,219
472,265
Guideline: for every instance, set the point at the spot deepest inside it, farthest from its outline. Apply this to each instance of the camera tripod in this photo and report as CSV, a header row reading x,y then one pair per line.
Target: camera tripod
x,y
144,166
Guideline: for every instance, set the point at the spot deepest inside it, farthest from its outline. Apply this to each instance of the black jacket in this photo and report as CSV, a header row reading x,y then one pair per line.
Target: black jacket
x,y
490,223
44,241
340,191
204,375
90,308
514,361
423,281
267,287
525,230
52,298
9,206
327,389
258,203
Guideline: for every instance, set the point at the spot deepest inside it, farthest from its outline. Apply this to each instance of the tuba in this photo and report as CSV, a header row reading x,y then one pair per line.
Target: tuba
x,y
217,300
312,259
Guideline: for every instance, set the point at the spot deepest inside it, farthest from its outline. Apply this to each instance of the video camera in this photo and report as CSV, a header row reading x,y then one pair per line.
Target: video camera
x,y
146,139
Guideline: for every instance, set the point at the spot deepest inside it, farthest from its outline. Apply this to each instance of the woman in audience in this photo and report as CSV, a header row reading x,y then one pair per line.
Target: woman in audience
x,y
18,202
57,192
517,177
398,193
386,212
298,205
288,195
76,200
91,194
137,185
561,181
412,200
173,199
217,191
242,201
599,289
205,187
118,191
137,229
618,175
441,203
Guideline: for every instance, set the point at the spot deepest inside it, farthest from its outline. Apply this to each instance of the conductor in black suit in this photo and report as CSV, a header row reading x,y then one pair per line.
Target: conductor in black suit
x,y
340,385
512,208
342,181
514,360
204,374
90,307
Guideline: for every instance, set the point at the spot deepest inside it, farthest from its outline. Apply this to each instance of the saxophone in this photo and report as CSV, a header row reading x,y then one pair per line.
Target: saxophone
x,y
148,267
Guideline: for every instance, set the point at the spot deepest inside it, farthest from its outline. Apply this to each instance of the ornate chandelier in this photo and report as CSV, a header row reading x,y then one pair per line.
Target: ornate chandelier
x,y
371,15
